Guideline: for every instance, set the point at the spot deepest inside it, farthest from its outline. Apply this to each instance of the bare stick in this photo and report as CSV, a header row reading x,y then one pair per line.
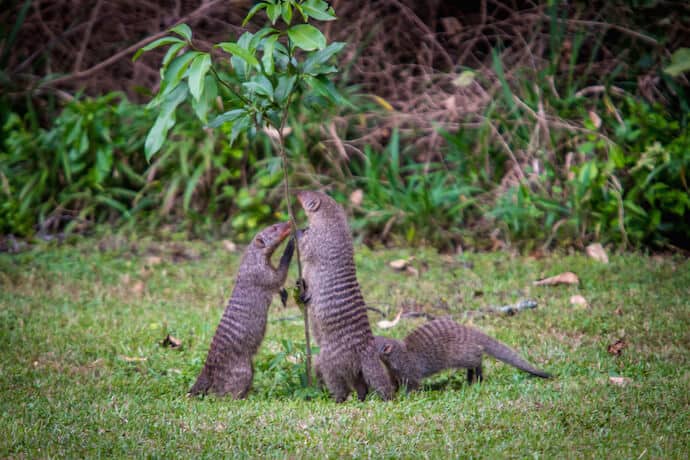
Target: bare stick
x,y
87,36
300,279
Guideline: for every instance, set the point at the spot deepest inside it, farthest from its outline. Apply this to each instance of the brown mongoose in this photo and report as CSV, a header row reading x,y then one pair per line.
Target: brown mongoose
x,y
338,315
228,367
443,344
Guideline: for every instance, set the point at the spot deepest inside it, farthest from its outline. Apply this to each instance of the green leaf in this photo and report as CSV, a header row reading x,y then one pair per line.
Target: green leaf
x,y
238,51
155,44
106,200
319,10
326,89
285,85
307,37
170,55
260,85
680,62
183,31
164,121
258,38
191,185
498,67
273,11
173,76
312,63
208,96
238,126
287,13
465,79
255,9
267,59
230,115
197,73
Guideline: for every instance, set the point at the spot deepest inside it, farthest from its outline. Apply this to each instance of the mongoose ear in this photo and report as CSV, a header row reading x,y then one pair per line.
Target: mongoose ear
x,y
387,349
260,243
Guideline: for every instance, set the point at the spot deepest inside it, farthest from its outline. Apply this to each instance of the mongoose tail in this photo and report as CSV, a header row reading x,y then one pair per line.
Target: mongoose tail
x,y
228,367
504,353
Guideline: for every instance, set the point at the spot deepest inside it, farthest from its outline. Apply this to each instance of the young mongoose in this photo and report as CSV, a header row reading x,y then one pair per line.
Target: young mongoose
x,y
228,367
443,344
338,315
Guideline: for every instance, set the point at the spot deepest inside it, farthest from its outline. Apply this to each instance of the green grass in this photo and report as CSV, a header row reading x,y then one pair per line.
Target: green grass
x,y
71,320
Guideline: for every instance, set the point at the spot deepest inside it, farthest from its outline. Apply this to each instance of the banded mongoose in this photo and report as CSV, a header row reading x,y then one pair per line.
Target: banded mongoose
x,y
228,367
443,344
340,326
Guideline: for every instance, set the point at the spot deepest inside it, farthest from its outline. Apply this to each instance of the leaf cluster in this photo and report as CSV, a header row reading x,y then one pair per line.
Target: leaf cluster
x,y
267,68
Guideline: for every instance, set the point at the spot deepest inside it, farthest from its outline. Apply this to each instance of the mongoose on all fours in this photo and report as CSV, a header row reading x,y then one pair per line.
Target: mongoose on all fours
x,y
228,367
348,359
444,344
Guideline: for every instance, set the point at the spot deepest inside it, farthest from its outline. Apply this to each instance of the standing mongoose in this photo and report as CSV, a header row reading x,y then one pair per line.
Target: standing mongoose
x,y
443,344
348,359
228,367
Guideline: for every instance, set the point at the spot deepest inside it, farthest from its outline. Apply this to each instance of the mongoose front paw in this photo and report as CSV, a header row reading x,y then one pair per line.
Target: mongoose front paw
x,y
284,297
303,296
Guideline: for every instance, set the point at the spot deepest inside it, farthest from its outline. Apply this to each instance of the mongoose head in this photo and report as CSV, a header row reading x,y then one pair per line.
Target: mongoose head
x,y
257,257
328,229
393,354
320,207
268,239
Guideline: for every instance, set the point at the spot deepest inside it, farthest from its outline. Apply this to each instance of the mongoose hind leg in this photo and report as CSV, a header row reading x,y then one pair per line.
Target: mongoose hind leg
x,y
375,374
474,375
361,387
336,384
202,384
235,380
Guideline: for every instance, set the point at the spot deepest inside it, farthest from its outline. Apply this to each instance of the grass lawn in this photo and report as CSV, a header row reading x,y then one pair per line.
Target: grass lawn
x,y
83,372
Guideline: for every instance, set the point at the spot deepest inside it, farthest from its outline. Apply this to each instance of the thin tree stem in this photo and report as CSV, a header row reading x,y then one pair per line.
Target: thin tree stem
x,y
286,188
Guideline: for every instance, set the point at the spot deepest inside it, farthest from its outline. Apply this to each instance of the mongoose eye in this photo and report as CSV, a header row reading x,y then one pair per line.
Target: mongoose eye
x,y
312,205
260,243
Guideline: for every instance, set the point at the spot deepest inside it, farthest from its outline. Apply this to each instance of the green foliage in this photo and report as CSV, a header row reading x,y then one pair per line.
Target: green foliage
x,y
284,372
79,169
88,168
271,68
421,202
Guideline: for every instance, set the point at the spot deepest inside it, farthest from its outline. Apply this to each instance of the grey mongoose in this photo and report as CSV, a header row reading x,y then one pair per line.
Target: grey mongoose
x,y
228,367
443,344
340,326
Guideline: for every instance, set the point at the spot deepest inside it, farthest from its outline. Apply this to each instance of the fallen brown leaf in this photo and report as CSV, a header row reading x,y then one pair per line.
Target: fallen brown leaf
x,y
398,264
563,278
172,342
620,381
616,348
618,311
412,271
229,246
138,287
385,324
153,260
578,300
597,252
356,197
